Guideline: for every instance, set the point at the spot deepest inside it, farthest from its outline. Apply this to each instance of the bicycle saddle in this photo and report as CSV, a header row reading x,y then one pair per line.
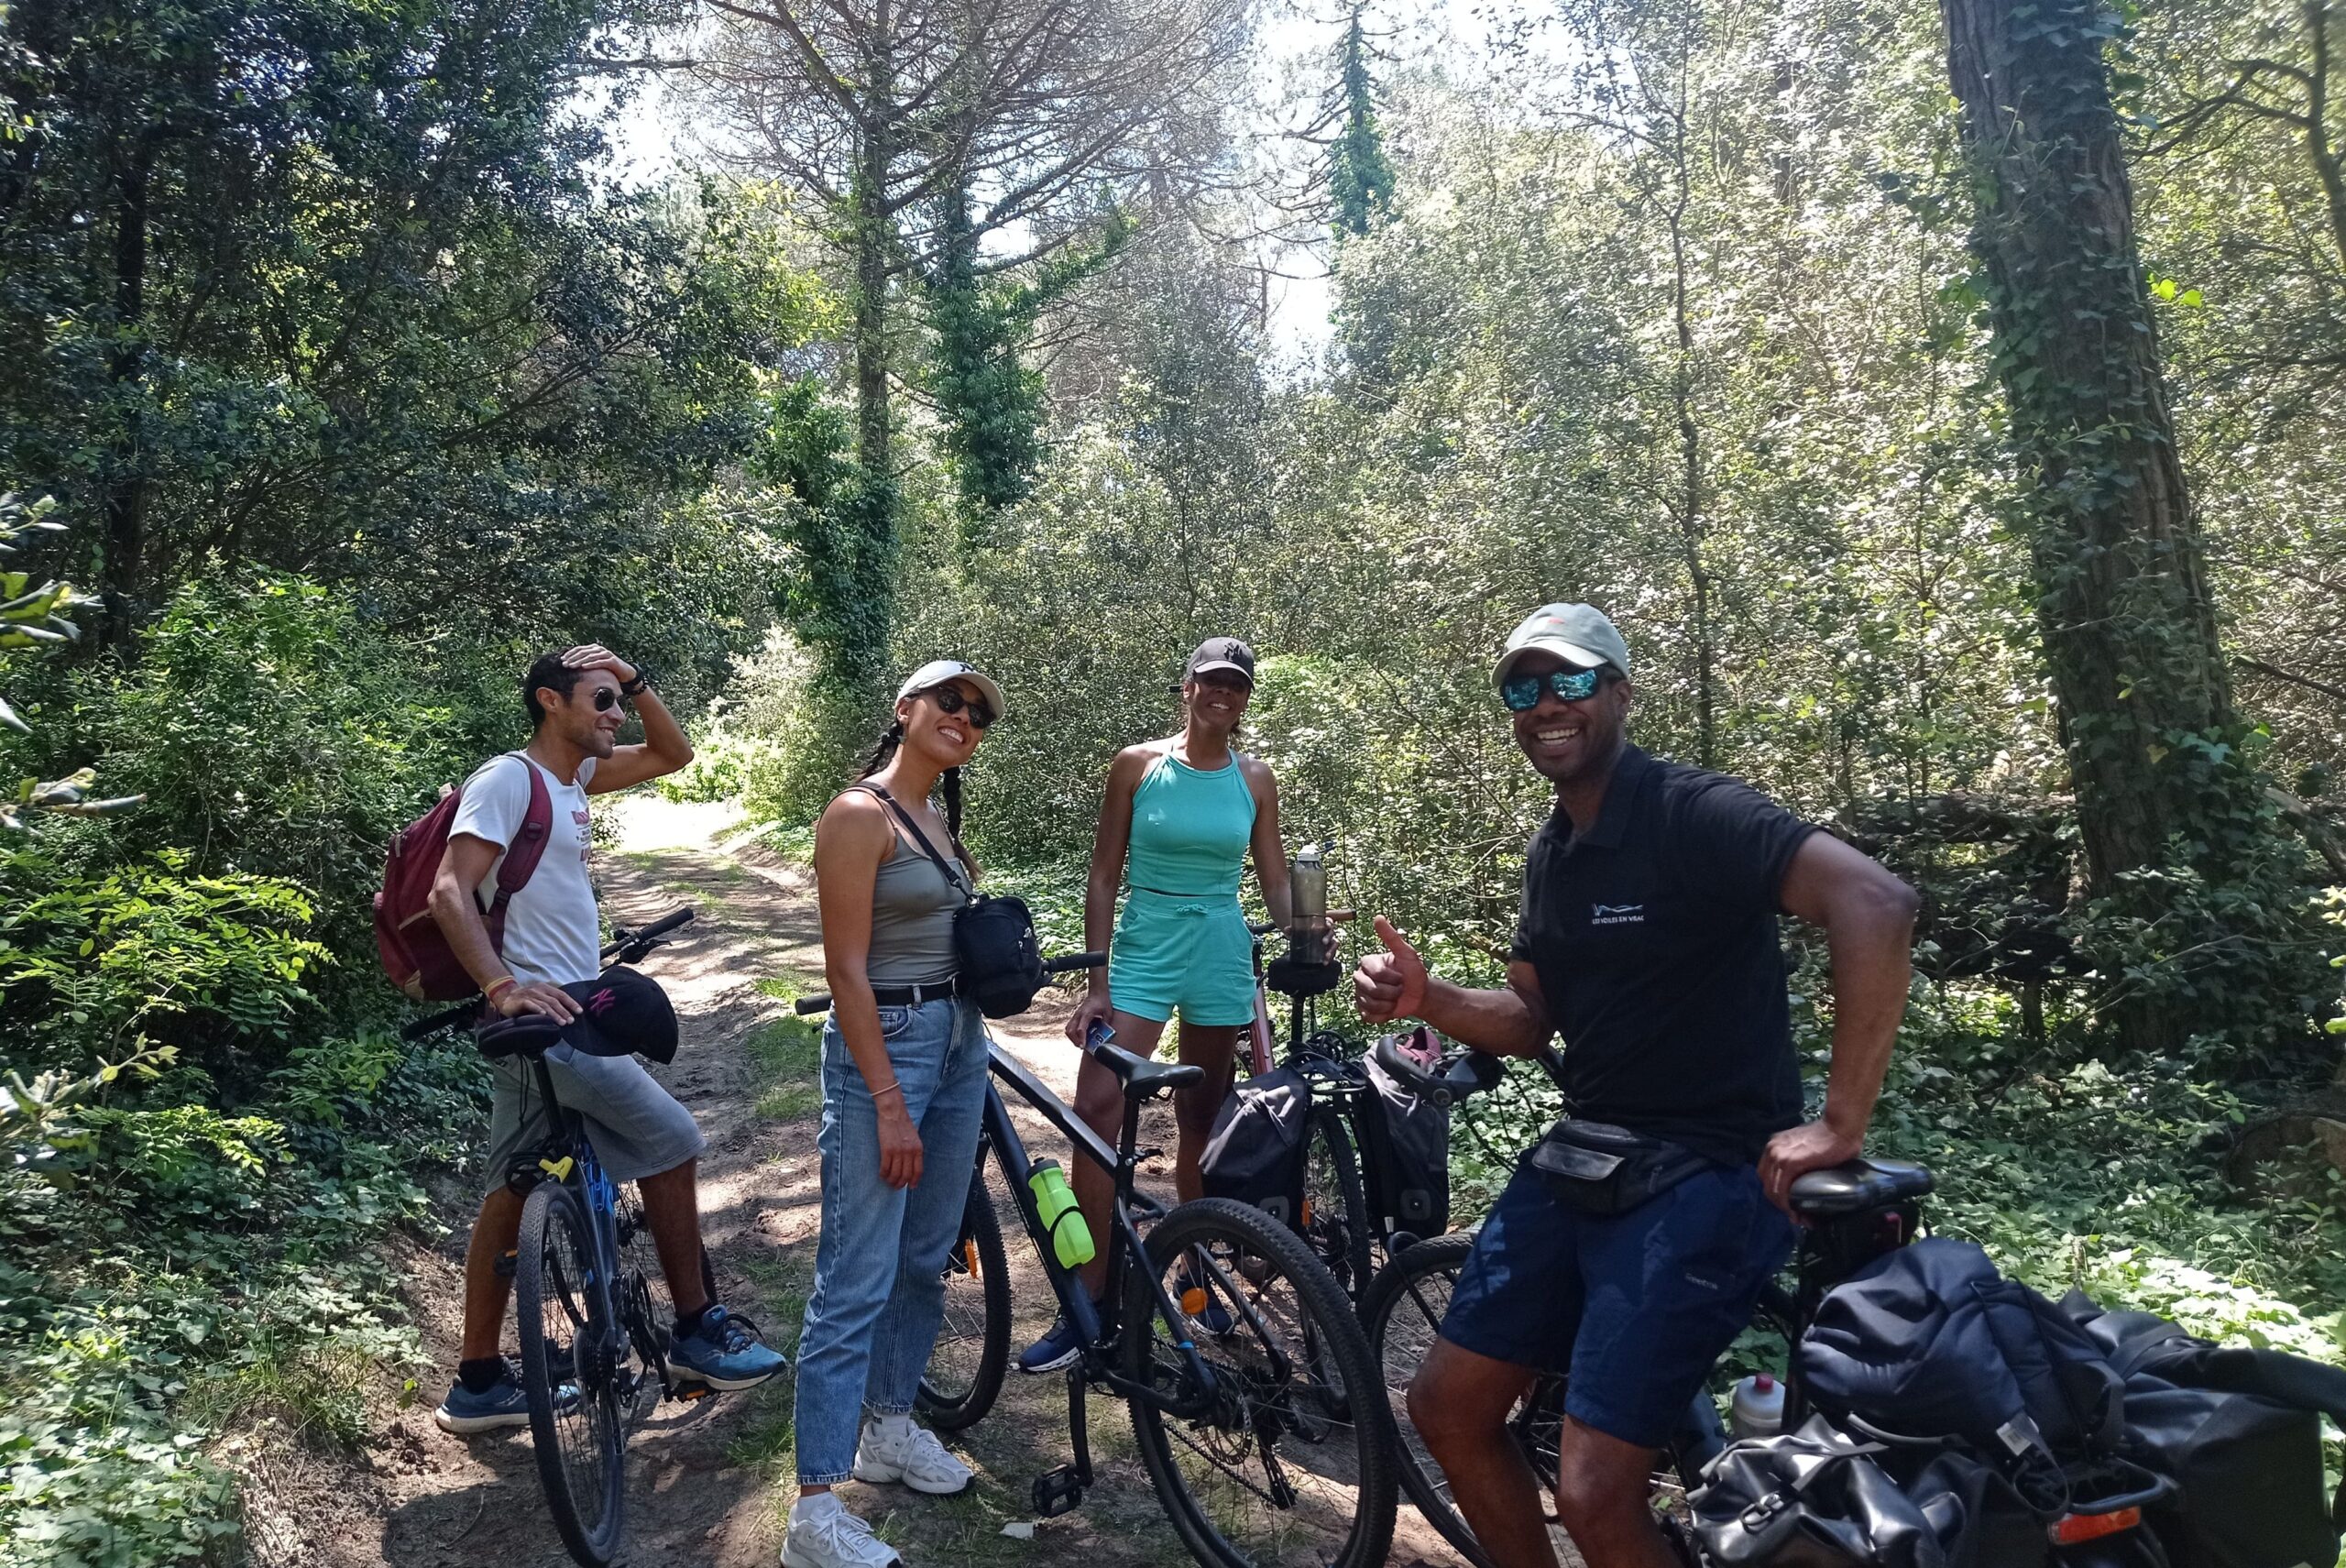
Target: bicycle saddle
x,y
1859,1185
524,1035
1144,1079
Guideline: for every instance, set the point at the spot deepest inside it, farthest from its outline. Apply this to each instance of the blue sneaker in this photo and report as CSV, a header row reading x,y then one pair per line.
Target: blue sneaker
x,y
1054,1350
502,1404
724,1352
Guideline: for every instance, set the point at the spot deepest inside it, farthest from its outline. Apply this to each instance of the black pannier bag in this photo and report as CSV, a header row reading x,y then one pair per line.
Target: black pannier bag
x,y
2237,1429
1404,1139
1256,1152
1818,1498
1931,1342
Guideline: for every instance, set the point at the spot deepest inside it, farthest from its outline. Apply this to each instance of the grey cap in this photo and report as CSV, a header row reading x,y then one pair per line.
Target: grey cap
x,y
937,672
1576,633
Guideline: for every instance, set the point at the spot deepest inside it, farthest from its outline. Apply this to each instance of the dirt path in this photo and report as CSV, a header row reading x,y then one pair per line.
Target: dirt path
x,y
710,1483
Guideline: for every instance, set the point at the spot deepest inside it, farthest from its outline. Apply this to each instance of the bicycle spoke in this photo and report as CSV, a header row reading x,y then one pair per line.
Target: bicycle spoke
x,y
1276,1470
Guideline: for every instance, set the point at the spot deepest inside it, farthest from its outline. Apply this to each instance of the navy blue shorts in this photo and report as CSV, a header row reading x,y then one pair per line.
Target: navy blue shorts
x,y
1634,1308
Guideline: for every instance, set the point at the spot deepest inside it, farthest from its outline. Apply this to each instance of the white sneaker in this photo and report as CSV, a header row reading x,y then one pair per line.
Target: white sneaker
x,y
833,1538
899,1449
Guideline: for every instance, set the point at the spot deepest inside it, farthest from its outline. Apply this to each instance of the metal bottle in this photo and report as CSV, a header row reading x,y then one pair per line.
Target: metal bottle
x,y
1307,876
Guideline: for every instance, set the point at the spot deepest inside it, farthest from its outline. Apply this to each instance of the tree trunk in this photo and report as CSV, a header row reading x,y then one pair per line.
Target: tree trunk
x,y
2123,601
125,487
1693,524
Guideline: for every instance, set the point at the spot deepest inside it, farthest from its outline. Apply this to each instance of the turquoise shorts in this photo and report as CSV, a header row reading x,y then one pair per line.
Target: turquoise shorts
x,y
1190,954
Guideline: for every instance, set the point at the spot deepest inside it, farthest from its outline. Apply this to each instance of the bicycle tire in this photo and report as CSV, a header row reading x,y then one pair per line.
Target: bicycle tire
x,y
1399,1288
952,1402
1402,1294
1340,1239
1348,1521
581,1452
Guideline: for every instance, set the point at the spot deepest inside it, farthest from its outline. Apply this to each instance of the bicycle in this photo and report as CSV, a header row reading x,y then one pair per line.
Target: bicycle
x,y
590,1300
1253,1397
1851,1213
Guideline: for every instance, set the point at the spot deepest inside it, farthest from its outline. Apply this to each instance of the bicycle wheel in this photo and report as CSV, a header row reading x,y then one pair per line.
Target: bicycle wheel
x,y
646,1309
972,1349
1335,1208
1284,1466
568,1338
1402,1311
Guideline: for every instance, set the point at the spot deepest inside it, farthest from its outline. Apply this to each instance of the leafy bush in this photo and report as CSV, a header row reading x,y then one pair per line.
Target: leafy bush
x,y
93,965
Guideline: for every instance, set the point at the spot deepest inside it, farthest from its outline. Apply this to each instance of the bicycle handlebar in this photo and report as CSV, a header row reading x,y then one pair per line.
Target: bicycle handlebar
x,y
627,946
819,1000
1463,1072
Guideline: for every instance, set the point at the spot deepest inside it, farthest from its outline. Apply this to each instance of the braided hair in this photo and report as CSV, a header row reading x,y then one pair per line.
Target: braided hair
x,y
885,751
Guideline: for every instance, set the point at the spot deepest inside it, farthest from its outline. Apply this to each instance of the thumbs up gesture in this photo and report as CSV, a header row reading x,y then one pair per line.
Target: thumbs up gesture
x,y
1391,985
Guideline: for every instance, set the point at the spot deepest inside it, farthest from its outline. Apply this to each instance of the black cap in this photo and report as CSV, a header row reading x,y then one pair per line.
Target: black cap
x,y
620,1012
1221,654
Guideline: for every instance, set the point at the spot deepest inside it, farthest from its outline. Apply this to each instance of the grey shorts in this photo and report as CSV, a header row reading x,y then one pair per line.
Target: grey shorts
x,y
637,1127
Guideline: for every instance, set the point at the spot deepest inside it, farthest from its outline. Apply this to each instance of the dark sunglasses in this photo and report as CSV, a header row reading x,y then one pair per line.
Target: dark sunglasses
x,y
1521,693
951,700
606,698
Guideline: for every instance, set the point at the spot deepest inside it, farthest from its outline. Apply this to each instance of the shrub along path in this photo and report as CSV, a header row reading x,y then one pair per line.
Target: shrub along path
x,y
709,1483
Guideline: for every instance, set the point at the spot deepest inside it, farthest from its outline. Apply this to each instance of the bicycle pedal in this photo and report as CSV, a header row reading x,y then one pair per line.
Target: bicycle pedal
x,y
507,1264
1056,1492
690,1389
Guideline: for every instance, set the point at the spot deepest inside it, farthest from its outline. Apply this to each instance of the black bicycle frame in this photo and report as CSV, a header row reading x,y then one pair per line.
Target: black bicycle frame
x,y
1123,1243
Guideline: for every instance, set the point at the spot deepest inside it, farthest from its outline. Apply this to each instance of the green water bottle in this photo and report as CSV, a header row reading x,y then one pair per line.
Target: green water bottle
x,y
1070,1237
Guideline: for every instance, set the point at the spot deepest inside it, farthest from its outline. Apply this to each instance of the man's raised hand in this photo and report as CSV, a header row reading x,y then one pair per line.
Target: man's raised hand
x,y
1391,985
595,656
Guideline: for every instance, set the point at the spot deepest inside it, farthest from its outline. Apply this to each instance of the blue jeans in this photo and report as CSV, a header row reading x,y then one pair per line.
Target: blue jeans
x,y
879,1290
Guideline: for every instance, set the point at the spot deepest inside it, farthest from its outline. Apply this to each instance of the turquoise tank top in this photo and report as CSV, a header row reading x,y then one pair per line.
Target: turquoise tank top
x,y
1191,829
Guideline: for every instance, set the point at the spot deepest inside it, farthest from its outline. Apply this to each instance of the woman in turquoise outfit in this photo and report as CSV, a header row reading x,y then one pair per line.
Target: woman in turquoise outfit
x,y
1181,817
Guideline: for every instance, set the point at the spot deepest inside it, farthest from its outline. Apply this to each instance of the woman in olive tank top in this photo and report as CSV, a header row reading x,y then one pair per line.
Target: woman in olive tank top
x,y
903,1091
1181,818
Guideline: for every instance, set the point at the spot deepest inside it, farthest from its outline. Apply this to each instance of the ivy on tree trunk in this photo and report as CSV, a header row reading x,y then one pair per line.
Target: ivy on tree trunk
x,y
2180,848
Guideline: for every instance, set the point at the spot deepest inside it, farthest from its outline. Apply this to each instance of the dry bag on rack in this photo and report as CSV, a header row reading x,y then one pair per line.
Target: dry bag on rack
x,y
1404,1154
1256,1152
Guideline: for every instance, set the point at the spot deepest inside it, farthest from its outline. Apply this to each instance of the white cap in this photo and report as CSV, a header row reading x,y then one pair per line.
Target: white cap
x,y
937,672
1577,632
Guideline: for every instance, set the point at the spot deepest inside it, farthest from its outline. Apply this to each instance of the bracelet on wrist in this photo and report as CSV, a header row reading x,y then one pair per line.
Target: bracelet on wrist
x,y
489,993
887,1088
635,687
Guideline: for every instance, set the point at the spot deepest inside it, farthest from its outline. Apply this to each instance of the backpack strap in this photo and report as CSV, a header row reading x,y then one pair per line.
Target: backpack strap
x,y
919,838
529,845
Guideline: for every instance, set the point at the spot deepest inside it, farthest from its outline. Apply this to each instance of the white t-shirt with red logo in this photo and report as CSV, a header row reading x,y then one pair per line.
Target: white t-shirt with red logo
x,y
552,931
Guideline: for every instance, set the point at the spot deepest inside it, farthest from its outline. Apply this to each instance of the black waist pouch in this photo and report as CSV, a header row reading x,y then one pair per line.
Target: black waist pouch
x,y
1594,1168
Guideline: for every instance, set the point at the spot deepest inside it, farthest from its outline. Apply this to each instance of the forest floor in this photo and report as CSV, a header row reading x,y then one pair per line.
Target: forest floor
x,y
711,1482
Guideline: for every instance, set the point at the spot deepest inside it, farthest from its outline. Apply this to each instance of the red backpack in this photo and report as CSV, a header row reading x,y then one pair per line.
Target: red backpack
x,y
415,954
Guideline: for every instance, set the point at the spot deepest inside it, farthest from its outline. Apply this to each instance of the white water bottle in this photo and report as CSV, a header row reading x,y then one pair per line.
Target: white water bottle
x,y
1758,1410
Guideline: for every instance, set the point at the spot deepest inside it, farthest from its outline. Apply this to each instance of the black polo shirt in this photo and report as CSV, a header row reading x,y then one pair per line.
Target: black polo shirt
x,y
1654,936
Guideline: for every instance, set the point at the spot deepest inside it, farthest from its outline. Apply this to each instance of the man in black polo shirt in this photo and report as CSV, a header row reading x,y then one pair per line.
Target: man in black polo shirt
x,y
1648,941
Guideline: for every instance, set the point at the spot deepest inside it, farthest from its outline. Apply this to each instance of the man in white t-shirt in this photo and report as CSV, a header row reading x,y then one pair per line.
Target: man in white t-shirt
x,y
551,953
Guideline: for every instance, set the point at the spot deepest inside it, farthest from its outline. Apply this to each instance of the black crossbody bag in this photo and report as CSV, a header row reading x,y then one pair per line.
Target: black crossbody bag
x,y
998,962
1598,1168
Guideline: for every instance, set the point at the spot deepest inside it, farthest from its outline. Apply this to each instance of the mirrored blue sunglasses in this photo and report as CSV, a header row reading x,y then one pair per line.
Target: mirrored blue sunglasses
x,y
1521,693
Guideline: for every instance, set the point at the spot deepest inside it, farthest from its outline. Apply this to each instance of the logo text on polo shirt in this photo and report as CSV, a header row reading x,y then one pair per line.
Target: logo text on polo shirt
x,y
1616,914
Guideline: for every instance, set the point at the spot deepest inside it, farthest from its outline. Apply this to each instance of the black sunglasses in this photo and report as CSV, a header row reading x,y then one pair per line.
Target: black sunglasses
x,y
951,700
606,698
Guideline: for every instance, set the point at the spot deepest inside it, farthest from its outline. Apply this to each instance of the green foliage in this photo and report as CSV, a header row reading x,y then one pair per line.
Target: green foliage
x,y
992,401
1360,176
147,954
35,615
